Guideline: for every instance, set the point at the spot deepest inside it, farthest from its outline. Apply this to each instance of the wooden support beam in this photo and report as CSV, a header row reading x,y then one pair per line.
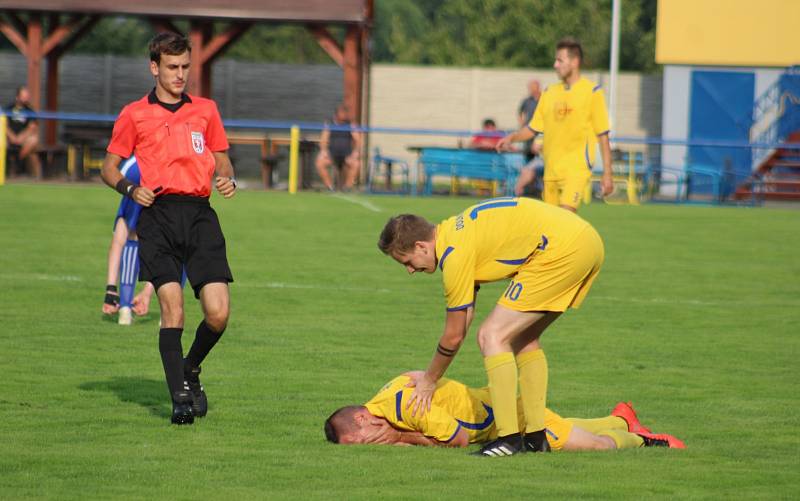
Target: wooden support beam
x,y
327,42
77,35
17,22
162,24
52,98
35,60
199,80
352,73
220,42
15,37
58,33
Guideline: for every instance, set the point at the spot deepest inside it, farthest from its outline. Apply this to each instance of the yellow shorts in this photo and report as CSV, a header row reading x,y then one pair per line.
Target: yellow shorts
x,y
559,279
557,429
567,191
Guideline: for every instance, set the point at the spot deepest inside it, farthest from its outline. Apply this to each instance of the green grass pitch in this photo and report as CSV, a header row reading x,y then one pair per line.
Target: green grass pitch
x,y
695,317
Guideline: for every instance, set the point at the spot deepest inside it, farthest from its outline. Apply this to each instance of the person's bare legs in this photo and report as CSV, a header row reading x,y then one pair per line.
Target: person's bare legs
x,y
27,152
114,254
582,440
322,163
215,301
352,170
526,177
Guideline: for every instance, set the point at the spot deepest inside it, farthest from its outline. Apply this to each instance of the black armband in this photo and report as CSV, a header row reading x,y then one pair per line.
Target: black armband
x,y
125,187
445,352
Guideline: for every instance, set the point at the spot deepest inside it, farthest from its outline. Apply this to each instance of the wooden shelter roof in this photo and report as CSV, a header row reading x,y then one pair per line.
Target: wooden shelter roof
x,y
300,11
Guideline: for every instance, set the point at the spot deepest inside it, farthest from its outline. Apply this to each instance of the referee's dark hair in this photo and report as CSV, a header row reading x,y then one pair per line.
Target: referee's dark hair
x,y
573,47
169,43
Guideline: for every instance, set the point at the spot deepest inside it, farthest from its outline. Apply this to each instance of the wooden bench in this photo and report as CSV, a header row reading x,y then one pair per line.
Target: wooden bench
x,y
86,145
496,168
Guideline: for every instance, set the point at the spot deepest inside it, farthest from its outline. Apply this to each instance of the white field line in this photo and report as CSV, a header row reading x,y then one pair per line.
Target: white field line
x,y
41,276
690,302
284,285
363,203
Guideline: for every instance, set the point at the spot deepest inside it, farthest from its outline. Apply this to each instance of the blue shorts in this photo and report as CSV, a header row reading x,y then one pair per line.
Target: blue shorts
x,y
129,211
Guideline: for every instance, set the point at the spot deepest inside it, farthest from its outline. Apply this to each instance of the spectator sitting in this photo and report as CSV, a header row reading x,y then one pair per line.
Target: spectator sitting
x,y
340,148
488,137
23,131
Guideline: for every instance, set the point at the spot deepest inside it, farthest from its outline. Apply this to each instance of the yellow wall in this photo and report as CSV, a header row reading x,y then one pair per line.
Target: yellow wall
x,y
728,32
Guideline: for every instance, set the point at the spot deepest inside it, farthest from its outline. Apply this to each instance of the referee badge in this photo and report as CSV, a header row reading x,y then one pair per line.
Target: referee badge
x,y
197,142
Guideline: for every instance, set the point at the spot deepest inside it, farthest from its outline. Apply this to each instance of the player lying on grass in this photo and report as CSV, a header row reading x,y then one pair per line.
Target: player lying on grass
x,y
461,415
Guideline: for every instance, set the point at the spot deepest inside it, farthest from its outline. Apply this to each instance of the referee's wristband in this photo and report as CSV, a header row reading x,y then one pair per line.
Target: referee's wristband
x,y
125,187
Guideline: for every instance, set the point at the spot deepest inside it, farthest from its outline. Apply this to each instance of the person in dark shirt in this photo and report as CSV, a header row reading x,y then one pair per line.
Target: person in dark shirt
x,y
340,148
530,149
23,131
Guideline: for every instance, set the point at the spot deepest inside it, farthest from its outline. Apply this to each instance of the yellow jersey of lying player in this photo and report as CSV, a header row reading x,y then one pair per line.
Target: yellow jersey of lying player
x,y
570,118
454,407
492,240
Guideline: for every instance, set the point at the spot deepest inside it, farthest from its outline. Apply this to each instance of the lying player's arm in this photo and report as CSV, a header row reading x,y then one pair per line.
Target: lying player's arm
x,y
416,438
226,184
113,177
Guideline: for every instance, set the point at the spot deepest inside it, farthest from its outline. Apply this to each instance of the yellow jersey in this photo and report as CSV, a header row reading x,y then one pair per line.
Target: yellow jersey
x,y
492,240
570,118
454,407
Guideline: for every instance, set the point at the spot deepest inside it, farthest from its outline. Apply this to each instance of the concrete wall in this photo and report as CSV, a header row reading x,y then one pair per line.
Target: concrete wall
x,y
460,98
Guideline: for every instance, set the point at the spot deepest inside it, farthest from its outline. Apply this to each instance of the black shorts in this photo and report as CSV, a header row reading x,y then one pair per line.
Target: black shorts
x,y
180,231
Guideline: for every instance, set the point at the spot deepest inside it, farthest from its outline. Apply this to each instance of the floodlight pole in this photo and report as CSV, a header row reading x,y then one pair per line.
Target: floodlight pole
x,y
614,64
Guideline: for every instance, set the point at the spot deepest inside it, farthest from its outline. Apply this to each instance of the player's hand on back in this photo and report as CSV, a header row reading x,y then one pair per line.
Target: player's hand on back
x,y
226,186
422,395
143,196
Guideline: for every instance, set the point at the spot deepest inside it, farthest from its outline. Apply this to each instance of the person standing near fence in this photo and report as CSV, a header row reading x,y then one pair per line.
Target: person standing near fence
x,y
530,149
573,117
179,142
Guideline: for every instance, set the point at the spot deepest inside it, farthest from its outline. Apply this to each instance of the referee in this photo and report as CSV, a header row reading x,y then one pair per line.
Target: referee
x,y
179,142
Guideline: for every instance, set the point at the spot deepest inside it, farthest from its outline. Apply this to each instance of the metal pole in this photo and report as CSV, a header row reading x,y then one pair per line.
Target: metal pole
x,y
614,64
294,146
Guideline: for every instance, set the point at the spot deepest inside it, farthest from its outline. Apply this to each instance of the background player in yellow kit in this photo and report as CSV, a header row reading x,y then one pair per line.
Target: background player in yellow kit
x,y
461,415
551,256
573,117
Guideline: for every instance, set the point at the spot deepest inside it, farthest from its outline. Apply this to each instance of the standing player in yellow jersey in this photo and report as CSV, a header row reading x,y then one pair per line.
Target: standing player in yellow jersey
x,y
461,415
551,256
573,117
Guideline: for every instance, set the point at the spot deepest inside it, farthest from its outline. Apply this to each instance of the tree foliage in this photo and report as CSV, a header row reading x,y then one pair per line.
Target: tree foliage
x,y
502,33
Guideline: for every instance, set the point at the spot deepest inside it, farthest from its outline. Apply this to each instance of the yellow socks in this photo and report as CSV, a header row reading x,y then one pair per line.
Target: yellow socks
x,y
502,374
533,388
600,424
623,439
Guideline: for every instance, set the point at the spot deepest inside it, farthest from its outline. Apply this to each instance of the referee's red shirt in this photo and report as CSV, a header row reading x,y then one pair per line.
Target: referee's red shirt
x,y
174,150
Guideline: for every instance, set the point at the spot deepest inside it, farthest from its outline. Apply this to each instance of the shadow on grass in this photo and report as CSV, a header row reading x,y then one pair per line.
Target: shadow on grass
x,y
148,393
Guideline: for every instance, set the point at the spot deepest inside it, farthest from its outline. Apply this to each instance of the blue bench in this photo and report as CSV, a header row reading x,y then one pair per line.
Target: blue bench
x,y
470,164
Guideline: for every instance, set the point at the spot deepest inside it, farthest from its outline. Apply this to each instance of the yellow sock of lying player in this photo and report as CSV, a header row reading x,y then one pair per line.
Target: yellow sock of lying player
x,y
623,439
600,424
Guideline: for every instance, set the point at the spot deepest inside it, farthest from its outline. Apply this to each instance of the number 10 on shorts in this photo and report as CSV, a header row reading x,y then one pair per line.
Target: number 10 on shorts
x,y
513,291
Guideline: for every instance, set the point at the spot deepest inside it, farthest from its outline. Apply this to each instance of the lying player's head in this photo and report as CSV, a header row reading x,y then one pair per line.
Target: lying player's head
x,y
170,57
410,240
569,55
348,425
